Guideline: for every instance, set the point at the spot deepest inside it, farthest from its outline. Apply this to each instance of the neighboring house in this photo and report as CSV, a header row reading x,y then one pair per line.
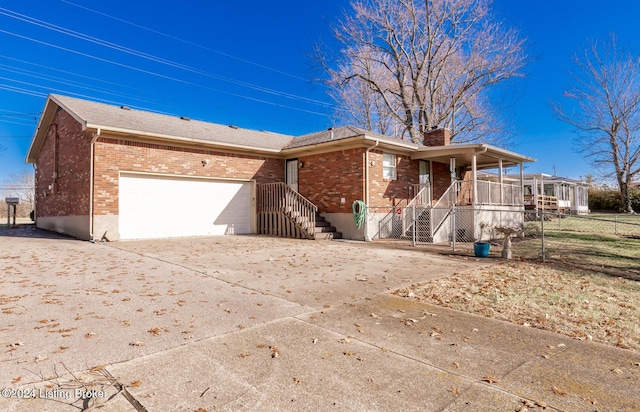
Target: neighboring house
x,y
550,193
546,192
109,172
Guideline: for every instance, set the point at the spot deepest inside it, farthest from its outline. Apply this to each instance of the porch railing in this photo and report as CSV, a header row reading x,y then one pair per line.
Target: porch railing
x,y
442,208
541,202
490,193
284,212
420,202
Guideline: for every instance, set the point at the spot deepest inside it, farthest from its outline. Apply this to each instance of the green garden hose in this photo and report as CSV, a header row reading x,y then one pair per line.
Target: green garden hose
x,y
359,212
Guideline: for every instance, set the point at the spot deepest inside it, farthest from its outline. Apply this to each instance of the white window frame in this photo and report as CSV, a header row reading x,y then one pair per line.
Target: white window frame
x,y
389,162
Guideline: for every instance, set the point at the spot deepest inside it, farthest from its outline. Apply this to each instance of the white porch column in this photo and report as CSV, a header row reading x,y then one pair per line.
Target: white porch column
x,y
535,188
542,190
522,182
474,173
501,182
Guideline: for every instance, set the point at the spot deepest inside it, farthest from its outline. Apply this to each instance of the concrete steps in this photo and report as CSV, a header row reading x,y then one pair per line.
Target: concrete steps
x,y
324,230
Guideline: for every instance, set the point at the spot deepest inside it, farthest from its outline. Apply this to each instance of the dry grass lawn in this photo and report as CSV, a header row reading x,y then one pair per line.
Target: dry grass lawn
x,y
583,304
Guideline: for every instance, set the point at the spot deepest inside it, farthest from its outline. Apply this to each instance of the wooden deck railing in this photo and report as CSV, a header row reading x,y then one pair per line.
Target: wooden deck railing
x,y
543,202
284,212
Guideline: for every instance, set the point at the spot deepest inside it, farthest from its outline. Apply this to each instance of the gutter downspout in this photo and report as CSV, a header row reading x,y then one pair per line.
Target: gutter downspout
x,y
366,189
96,135
35,194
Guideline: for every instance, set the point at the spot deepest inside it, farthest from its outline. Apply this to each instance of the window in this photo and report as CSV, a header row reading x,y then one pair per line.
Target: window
x,y
389,166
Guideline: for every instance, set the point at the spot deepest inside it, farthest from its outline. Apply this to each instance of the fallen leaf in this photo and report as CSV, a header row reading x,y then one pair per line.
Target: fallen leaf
x,y
490,379
558,391
16,380
135,384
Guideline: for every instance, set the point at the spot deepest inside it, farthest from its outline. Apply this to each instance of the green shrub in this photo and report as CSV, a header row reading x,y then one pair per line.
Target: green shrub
x,y
609,200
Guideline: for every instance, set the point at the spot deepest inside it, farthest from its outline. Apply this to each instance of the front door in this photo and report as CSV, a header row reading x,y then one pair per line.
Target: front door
x,y
291,174
425,173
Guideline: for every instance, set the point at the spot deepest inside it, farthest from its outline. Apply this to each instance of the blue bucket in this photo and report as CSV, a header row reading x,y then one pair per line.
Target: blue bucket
x,y
481,249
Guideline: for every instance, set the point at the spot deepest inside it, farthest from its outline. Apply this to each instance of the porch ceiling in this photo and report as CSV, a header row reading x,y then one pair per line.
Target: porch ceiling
x,y
486,156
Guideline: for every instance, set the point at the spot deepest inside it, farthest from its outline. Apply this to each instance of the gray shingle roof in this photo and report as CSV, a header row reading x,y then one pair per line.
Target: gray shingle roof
x,y
108,116
334,134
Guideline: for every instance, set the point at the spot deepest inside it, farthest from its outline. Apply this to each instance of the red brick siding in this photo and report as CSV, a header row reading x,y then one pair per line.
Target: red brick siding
x,y
326,178
115,155
68,146
437,137
441,177
384,192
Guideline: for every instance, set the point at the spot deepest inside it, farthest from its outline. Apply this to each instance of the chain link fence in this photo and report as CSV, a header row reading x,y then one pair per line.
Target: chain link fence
x,y
538,235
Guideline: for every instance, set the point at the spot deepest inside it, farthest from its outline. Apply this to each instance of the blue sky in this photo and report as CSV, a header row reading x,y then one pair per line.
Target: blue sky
x,y
248,63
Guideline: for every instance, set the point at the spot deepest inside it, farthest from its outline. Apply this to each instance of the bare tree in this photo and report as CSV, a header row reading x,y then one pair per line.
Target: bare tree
x,y
604,107
20,185
411,65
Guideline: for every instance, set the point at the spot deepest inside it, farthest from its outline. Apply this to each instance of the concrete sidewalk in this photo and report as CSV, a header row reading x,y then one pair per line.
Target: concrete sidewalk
x,y
274,324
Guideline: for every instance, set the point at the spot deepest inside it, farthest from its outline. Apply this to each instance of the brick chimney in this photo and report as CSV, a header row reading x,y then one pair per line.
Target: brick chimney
x,y
437,137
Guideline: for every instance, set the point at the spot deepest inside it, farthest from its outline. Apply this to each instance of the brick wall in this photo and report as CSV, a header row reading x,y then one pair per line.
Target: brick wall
x,y
114,155
327,178
441,178
385,192
66,152
437,137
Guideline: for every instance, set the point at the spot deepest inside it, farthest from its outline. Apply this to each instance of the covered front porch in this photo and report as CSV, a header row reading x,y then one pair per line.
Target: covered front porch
x,y
458,211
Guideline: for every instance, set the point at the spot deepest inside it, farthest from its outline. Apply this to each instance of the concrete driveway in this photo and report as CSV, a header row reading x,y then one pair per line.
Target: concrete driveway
x,y
259,323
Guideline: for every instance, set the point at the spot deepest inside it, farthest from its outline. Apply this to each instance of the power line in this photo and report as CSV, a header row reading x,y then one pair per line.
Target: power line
x,y
38,94
147,56
186,41
66,82
94,79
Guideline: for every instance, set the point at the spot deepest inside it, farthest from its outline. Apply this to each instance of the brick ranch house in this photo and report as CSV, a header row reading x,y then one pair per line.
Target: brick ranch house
x,y
109,172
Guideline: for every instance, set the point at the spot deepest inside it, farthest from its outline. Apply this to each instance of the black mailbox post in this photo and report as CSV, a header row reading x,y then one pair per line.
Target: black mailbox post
x,y
11,201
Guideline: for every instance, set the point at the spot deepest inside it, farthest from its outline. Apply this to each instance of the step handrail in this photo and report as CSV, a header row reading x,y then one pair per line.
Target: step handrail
x,y
278,197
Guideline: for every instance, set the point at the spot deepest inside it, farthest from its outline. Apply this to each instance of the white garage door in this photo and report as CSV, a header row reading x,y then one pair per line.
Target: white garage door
x,y
155,206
